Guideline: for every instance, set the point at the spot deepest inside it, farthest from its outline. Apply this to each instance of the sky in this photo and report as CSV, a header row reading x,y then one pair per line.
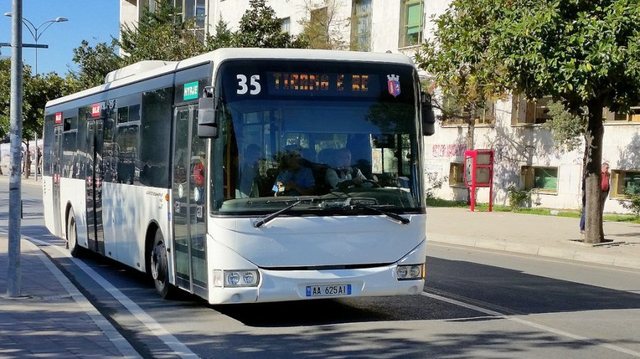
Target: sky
x,y
92,20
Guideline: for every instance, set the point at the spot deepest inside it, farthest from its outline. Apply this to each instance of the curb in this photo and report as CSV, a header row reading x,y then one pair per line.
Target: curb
x,y
577,255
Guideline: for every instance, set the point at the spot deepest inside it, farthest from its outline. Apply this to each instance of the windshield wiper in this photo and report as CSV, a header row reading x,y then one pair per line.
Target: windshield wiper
x,y
354,204
266,219
395,216
369,204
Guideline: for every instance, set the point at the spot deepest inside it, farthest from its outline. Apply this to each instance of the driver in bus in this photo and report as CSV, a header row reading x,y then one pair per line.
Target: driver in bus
x,y
342,171
294,179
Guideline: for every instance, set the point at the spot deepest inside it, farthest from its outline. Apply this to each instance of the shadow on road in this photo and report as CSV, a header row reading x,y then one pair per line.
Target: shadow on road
x,y
522,293
504,290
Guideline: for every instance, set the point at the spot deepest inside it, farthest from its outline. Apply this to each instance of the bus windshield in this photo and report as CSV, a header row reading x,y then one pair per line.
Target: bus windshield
x,y
337,137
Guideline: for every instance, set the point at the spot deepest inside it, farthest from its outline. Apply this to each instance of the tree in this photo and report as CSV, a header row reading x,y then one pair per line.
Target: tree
x,y
5,99
584,54
160,35
29,108
458,58
223,37
260,27
95,62
37,90
321,29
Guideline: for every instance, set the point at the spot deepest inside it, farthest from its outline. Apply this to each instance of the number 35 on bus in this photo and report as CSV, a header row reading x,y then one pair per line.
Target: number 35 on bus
x,y
248,175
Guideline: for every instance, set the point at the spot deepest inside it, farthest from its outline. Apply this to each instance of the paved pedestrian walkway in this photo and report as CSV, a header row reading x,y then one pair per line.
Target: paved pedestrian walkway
x,y
51,318
549,236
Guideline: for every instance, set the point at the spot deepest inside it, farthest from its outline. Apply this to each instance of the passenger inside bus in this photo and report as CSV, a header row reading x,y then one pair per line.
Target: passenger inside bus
x,y
198,178
342,171
360,147
294,179
250,172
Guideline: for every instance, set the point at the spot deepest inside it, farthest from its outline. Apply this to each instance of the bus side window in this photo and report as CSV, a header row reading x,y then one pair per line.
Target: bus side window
x,y
127,154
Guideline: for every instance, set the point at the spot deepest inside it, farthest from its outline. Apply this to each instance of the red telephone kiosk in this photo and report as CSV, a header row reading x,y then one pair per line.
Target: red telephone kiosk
x,y
478,172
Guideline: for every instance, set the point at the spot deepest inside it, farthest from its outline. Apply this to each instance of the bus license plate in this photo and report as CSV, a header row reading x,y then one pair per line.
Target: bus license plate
x,y
332,290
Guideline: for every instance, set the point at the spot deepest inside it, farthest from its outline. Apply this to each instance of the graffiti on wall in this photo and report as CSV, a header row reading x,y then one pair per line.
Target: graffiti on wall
x,y
450,150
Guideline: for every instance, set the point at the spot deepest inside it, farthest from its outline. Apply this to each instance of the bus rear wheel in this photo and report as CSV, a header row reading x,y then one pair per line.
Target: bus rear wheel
x,y
160,267
72,235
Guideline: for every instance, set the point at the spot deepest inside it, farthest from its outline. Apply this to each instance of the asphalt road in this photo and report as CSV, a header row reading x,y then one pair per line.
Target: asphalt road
x,y
476,304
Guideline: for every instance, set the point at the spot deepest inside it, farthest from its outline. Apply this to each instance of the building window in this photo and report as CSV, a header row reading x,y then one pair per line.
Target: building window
x,y
411,23
456,173
196,10
625,183
486,115
361,25
530,112
633,115
148,4
542,178
453,114
319,15
286,25
184,10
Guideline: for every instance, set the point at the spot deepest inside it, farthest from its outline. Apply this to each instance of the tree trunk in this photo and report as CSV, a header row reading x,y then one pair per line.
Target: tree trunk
x,y
471,127
593,143
469,142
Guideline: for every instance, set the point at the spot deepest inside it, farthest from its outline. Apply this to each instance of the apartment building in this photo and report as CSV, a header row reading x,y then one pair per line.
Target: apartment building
x,y
525,154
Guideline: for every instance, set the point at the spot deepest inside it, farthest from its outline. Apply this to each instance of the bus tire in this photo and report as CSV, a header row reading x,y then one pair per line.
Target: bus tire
x,y
160,267
72,235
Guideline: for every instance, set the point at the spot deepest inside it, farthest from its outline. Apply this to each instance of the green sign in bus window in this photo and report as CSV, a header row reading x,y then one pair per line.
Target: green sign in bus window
x,y
190,91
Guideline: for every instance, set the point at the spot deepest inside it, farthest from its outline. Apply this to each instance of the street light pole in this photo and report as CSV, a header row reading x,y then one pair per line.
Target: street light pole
x,y
35,30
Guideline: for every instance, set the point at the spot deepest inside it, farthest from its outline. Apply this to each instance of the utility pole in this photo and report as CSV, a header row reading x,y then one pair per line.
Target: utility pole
x,y
15,184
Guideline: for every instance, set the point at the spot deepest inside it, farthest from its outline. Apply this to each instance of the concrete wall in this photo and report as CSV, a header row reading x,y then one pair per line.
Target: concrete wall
x,y
128,12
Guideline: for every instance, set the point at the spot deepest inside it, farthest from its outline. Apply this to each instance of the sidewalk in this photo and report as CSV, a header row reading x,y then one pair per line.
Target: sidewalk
x,y
548,236
51,318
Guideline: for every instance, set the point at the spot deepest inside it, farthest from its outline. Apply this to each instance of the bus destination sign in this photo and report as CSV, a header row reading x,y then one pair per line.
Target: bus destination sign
x,y
322,84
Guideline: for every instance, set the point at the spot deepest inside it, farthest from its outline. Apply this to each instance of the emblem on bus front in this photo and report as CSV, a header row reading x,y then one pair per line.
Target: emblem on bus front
x,y
393,85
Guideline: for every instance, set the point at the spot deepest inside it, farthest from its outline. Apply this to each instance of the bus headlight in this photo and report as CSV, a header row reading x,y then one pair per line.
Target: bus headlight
x,y
235,278
409,272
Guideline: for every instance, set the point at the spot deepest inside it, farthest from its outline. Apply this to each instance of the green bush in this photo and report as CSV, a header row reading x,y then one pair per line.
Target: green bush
x,y
633,204
518,198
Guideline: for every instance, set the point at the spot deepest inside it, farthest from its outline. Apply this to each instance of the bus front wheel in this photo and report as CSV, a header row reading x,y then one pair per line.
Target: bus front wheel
x,y
160,267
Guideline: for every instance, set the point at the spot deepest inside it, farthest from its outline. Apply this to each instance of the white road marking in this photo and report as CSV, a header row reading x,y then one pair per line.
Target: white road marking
x,y
530,324
172,342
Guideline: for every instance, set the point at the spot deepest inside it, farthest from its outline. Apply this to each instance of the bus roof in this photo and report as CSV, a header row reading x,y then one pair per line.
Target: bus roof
x,y
149,69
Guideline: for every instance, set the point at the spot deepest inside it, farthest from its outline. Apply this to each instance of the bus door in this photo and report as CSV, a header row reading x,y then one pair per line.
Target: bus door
x,y
189,193
93,183
56,159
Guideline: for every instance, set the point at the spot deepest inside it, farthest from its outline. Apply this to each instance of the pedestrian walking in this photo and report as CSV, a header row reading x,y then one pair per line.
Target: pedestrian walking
x,y
605,184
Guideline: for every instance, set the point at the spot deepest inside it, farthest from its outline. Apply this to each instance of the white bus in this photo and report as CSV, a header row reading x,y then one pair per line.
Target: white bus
x,y
211,174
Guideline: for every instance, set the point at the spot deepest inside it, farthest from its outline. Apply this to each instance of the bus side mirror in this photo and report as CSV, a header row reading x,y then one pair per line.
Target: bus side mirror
x,y
428,117
207,124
